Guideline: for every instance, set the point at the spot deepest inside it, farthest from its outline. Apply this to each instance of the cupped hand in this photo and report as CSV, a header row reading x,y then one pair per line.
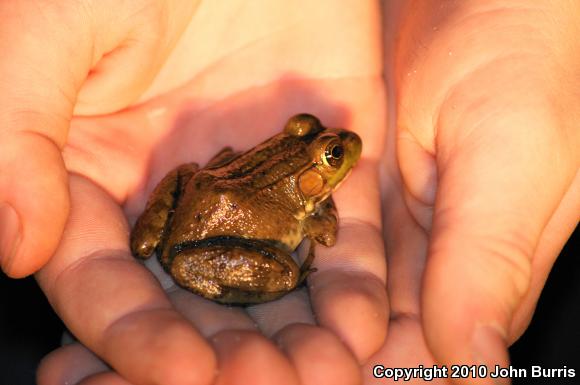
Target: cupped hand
x,y
60,59
198,78
481,185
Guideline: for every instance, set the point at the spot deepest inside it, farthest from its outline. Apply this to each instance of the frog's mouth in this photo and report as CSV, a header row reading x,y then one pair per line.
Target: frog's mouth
x,y
340,182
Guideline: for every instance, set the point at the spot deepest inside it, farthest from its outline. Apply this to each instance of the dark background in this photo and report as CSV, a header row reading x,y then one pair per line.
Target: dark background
x,y
29,329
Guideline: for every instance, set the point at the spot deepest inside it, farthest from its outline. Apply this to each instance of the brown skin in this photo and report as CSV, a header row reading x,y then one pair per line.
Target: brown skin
x,y
227,231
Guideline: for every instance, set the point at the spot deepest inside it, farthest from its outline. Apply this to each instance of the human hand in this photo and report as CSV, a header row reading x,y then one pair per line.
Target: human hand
x,y
118,310
82,58
86,58
481,185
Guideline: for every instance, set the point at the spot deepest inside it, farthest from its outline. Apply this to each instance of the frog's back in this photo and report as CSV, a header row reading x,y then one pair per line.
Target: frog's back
x,y
253,196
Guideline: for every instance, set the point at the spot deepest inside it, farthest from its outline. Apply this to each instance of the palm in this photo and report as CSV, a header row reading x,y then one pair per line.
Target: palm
x,y
136,156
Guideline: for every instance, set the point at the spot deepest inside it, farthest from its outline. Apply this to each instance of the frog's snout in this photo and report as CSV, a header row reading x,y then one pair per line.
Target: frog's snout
x,y
352,145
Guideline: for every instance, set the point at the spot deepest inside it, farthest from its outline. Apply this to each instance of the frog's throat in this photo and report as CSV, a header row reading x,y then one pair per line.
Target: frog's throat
x,y
310,205
340,182
310,202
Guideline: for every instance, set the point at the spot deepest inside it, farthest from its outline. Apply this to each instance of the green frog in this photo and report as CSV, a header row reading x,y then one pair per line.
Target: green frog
x,y
227,231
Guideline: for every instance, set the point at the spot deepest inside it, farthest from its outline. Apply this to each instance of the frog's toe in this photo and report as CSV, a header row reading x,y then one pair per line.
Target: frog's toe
x,y
304,274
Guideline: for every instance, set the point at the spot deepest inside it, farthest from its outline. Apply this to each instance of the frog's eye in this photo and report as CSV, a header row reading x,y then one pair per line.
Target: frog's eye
x,y
333,154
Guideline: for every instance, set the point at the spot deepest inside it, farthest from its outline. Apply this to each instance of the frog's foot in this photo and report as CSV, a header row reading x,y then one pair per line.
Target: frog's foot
x,y
304,274
305,269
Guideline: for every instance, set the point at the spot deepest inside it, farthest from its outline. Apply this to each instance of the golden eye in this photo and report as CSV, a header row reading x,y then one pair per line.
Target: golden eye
x,y
334,154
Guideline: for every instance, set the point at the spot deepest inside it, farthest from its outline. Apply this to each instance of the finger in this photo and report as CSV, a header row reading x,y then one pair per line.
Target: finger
x,y
405,347
486,228
318,355
249,358
235,333
38,90
348,290
113,305
552,240
273,316
405,245
68,365
106,378
209,317
33,195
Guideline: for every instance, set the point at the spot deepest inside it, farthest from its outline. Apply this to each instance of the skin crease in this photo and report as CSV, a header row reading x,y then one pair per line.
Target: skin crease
x,y
469,159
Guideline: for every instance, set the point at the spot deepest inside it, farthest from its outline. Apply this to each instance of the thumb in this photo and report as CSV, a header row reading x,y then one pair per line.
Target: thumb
x,y
33,196
38,91
40,73
89,57
497,190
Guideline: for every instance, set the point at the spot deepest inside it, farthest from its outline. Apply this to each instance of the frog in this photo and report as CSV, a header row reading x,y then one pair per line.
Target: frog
x,y
227,231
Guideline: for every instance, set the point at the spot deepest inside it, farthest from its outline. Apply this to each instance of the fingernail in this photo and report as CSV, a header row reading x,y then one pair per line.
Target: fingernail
x,y
9,234
490,349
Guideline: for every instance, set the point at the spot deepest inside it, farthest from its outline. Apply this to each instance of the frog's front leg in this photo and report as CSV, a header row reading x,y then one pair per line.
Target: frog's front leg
x,y
321,227
233,270
149,229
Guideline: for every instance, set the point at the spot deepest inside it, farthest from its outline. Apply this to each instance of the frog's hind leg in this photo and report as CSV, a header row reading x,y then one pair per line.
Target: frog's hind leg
x,y
234,271
150,227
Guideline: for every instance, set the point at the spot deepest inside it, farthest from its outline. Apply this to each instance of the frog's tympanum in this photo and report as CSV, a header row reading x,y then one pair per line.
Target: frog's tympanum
x,y
227,231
